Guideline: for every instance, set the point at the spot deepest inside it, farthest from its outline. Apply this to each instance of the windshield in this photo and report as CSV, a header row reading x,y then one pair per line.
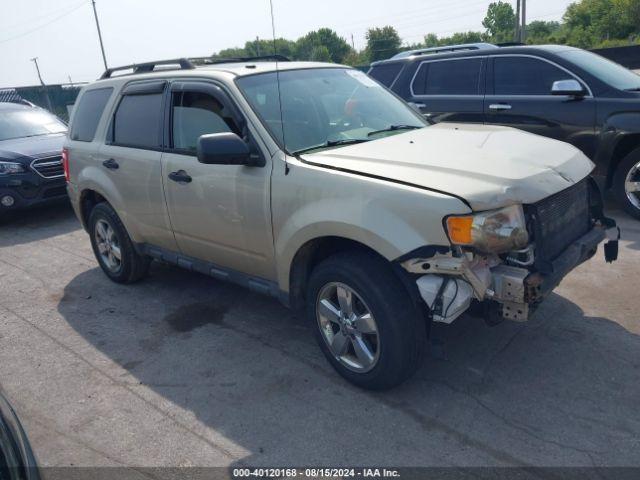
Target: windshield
x,y
28,123
326,107
609,72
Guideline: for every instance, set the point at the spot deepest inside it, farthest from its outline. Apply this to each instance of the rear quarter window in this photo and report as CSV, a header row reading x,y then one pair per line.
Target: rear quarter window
x,y
88,112
386,74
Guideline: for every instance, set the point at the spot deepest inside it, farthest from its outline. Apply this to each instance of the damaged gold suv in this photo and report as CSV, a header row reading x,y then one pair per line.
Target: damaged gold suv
x,y
312,183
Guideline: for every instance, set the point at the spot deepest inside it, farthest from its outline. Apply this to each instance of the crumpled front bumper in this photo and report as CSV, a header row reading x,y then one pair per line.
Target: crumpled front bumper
x,y
452,283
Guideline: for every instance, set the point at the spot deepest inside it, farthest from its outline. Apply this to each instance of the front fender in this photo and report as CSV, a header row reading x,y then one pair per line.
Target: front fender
x,y
389,218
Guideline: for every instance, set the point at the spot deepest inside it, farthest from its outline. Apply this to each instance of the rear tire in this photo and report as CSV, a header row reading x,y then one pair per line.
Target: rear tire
x,y
628,171
397,347
113,248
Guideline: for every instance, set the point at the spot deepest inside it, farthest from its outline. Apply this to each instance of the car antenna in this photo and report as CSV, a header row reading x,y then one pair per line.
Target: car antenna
x,y
275,52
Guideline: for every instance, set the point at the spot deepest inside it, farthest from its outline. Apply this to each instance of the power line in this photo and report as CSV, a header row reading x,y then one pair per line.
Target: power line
x,y
55,19
460,30
37,18
428,11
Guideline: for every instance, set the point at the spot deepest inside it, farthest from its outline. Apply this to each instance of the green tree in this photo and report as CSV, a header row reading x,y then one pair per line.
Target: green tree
x,y
465,37
320,53
234,52
382,43
266,47
540,31
357,59
309,46
259,47
500,21
431,40
597,21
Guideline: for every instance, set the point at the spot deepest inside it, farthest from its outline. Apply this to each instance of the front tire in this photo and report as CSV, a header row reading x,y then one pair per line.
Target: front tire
x,y
113,247
626,184
365,322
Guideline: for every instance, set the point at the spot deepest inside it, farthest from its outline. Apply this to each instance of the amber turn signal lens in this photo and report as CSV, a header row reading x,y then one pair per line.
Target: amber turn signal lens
x,y
460,230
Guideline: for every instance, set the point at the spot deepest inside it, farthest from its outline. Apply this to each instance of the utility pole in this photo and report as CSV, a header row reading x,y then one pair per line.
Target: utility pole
x,y
523,30
353,43
35,60
95,14
44,87
258,45
516,36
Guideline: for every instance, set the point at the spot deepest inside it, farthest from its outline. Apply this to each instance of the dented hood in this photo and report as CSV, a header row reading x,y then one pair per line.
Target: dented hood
x,y
488,166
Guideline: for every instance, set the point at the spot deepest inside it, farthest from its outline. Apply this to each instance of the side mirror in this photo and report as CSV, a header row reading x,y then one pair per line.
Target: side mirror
x,y
223,149
568,87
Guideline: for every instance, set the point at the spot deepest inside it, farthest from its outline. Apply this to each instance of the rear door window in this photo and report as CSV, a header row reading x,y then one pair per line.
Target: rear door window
x,y
448,77
525,76
88,112
138,121
386,74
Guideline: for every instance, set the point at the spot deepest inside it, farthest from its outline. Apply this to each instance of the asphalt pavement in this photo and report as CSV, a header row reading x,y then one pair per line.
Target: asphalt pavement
x,y
184,370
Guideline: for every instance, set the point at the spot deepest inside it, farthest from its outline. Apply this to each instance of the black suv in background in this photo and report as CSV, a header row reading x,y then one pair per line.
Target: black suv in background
x,y
31,169
556,91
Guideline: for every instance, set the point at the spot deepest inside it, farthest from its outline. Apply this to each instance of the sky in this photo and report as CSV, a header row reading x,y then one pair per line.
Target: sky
x,y
62,33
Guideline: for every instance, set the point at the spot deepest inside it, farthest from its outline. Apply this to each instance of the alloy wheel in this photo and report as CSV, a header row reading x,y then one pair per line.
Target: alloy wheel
x,y
632,185
348,327
108,245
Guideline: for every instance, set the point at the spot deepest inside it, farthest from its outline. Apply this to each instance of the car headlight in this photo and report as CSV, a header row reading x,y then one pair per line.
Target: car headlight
x,y
7,168
493,231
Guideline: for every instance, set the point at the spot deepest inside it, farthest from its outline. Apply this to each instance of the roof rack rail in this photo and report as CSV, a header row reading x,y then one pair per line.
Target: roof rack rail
x,y
184,64
444,48
261,58
189,63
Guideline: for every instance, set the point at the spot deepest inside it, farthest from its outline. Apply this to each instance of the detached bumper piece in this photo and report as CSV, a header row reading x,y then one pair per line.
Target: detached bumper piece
x,y
509,291
447,297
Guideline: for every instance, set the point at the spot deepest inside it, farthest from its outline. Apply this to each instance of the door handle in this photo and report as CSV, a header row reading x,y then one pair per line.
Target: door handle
x,y
499,106
111,164
180,176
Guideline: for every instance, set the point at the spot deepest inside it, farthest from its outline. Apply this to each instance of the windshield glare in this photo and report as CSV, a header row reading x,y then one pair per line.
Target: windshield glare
x,y
28,123
609,72
323,106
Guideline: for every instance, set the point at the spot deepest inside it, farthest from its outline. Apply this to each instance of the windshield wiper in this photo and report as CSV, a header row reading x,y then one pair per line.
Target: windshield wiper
x,y
331,143
634,89
393,128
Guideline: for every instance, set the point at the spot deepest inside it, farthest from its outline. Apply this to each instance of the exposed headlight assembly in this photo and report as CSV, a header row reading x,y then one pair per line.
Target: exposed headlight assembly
x,y
493,231
7,168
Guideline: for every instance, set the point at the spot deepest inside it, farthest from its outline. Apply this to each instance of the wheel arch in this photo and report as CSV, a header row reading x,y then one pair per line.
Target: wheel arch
x,y
89,198
97,188
626,145
315,250
619,136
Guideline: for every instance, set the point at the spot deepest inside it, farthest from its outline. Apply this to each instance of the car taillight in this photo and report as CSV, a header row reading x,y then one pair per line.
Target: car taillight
x,y
65,164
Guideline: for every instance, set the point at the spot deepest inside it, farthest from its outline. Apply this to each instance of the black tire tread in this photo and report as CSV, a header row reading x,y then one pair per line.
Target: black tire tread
x,y
387,294
135,266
